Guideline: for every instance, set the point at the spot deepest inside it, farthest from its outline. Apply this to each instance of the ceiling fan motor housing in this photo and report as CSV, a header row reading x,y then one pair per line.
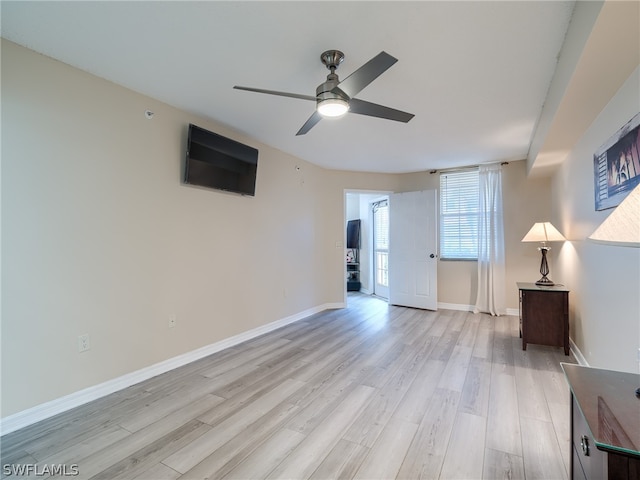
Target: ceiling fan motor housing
x,y
325,91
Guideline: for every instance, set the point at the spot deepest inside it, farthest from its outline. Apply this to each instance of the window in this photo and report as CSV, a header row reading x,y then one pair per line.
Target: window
x,y
459,200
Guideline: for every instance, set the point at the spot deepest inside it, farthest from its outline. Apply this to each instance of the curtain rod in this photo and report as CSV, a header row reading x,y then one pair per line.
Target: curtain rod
x,y
459,169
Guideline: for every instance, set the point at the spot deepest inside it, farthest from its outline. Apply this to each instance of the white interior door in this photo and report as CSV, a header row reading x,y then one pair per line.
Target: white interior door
x,y
413,259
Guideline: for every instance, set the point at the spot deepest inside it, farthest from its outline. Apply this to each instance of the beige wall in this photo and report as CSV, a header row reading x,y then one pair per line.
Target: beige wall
x,y
99,235
604,280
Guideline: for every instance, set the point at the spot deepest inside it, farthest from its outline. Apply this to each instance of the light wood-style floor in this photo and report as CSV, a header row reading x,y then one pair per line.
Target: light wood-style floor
x,y
368,392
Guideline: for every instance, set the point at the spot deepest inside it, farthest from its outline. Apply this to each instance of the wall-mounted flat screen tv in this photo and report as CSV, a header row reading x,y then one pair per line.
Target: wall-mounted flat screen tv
x,y
353,234
218,162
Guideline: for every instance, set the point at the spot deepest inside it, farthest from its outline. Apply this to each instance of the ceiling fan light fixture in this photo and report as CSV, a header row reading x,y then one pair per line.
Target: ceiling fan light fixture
x,y
332,107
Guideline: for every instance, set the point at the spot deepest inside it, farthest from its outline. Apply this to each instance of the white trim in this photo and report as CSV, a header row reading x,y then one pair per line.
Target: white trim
x,y
469,308
455,306
43,411
578,354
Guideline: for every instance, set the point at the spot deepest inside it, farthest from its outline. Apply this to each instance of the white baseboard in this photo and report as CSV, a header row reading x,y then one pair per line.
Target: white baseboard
x,y
455,306
469,308
43,411
578,354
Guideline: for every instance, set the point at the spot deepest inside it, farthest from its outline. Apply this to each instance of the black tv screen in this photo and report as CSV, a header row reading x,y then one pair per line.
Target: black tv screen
x,y
353,234
218,162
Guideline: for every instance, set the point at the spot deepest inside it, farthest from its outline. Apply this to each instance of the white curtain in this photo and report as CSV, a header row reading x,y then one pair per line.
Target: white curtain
x,y
491,258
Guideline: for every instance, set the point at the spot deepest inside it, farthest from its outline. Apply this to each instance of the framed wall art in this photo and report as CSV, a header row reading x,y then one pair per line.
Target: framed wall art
x,y
616,165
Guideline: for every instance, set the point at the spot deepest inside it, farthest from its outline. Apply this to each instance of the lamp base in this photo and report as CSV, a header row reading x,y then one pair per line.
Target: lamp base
x,y
544,281
544,268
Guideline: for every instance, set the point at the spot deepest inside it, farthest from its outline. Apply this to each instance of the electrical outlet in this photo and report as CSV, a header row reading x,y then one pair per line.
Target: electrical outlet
x,y
83,343
172,320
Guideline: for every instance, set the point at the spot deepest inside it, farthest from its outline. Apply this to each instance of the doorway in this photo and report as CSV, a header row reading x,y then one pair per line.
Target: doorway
x,y
401,270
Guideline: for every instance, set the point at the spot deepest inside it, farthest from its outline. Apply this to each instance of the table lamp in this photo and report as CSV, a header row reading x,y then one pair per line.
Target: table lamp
x,y
544,232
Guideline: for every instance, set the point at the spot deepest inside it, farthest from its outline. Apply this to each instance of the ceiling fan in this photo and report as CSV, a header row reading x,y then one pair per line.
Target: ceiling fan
x,y
335,98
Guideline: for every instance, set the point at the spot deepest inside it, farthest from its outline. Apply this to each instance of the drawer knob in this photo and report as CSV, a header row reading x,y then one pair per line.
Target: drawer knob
x,y
584,443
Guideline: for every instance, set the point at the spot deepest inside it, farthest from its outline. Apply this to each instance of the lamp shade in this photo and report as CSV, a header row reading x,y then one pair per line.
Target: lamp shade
x,y
543,232
622,226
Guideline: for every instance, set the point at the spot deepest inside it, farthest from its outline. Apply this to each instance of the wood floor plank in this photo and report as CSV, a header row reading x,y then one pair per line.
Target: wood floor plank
x,y
244,357
502,466
103,459
483,346
503,346
416,401
107,448
541,452
475,392
388,452
251,388
151,454
503,426
425,455
562,428
529,381
455,373
370,391
192,454
306,458
342,461
158,472
373,420
267,456
469,333
176,401
467,436
224,459
97,441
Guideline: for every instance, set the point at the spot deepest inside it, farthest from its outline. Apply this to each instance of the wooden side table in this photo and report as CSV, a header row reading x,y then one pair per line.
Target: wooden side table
x,y
544,315
605,423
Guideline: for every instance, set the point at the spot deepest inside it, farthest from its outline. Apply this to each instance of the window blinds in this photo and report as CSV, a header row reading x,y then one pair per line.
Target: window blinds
x,y
381,222
459,196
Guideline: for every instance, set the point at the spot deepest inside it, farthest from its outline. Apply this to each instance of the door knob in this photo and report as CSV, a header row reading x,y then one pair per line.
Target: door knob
x,y
432,256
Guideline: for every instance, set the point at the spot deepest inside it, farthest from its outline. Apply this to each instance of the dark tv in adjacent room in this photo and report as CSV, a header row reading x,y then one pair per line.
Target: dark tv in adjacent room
x,y
353,234
220,163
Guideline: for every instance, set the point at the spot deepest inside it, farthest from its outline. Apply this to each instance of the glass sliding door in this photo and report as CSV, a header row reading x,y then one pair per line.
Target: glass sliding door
x,y
381,248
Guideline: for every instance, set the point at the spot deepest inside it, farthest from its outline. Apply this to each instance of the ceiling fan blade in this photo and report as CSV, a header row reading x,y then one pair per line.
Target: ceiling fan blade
x,y
354,83
374,110
308,125
273,92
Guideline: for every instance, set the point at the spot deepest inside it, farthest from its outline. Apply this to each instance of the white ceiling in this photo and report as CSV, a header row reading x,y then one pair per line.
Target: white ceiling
x,y
475,74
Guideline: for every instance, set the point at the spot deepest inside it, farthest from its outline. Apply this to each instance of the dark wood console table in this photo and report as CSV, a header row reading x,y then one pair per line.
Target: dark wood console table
x,y
605,423
544,315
